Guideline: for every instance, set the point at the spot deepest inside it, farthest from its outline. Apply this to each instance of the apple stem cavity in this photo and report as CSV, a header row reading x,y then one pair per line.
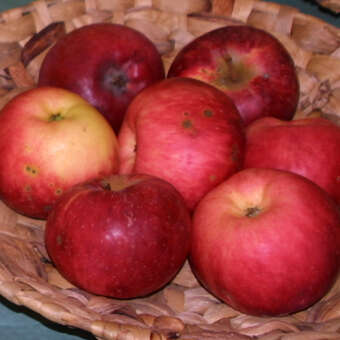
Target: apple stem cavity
x,y
252,211
119,183
232,73
55,117
106,185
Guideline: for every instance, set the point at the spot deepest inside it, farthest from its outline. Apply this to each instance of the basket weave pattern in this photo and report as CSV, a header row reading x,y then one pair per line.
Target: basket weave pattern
x,y
183,309
333,5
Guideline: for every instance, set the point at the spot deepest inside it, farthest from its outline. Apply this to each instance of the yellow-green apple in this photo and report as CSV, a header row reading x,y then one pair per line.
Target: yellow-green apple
x,y
248,64
51,139
185,131
266,242
309,147
106,63
124,236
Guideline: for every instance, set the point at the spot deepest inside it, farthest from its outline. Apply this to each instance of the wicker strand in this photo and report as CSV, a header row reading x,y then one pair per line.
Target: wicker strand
x,y
333,5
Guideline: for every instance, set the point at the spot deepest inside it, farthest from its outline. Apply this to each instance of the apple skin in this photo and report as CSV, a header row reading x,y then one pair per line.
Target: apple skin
x,y
184,131
266,242
105,63
51,139
248,64
309,147
124,236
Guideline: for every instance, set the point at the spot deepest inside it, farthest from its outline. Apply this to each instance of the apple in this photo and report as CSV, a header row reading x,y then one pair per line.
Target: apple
x,y
248,64
266,242
107,64
123,236
184,131
51,139
309,147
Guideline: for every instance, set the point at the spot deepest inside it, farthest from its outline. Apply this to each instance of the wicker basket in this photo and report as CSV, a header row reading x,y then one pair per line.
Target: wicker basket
x,y
183,309
333,5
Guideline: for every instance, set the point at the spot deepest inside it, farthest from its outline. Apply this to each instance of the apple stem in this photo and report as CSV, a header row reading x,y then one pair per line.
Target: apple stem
x,y
233,74
55,117
227,68
106,185
252,211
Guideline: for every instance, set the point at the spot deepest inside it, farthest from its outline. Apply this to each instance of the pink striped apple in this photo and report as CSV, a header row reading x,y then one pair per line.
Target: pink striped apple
x,y
266,242
184,131
309,147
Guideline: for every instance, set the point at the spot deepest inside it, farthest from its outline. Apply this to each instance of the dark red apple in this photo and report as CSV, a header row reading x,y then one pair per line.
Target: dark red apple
x,y
124,236
185,131
309,147
106,63
266,242
248,64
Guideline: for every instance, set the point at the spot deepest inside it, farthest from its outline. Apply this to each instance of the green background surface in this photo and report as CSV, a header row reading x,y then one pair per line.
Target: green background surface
x,y
17,322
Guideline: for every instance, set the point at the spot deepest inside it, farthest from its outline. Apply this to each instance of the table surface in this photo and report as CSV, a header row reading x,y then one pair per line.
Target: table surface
x,y
17,322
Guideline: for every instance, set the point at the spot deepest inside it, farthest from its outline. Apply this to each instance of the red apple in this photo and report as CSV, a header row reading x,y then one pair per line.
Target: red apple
x,y
308,147
51,139
125,236
184,131
106,63
246,63
266,242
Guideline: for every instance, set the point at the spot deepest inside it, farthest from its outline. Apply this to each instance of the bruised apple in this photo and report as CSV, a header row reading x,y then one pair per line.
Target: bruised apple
x,y
184,131
248,64
124,236
51,139
105,63
309,147
266,242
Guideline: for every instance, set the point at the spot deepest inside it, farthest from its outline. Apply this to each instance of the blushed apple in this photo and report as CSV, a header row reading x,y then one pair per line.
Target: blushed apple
x,y
266,242
309,147
184,131
124,236
248,64
105,63
51,139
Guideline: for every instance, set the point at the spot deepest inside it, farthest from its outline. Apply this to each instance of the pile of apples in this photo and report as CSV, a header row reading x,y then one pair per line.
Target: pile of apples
x,y
137,170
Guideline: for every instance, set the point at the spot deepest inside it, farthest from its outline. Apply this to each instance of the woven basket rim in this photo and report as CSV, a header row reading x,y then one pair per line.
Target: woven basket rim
x,y
183,309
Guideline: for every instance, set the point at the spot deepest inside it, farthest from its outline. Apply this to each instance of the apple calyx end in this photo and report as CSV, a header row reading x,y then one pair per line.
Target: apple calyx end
x,y
115,80
252,211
